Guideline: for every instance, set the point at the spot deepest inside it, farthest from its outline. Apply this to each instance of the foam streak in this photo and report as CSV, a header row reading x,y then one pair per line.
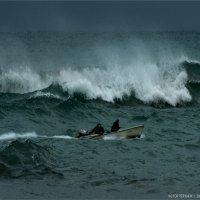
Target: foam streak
x,y
13,135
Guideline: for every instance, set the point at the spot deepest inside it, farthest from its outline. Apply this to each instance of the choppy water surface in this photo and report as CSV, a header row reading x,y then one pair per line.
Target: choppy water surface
x,y
54,84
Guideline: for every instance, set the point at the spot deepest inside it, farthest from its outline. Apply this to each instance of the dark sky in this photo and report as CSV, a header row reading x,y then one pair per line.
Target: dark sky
x,y
99,16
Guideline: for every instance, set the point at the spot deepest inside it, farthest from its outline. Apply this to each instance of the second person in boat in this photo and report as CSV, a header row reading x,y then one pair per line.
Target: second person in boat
x,y
98,129
115,126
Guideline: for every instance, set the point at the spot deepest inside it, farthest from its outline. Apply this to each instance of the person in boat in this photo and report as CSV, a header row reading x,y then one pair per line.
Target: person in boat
x,y
98,129
115,126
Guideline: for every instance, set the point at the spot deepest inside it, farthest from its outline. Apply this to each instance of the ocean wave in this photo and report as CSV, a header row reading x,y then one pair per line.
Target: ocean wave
x,y
22,80
147,82
193,70
148,67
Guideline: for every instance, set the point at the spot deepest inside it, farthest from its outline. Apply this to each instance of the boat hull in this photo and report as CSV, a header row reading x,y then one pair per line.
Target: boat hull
x,y
133,132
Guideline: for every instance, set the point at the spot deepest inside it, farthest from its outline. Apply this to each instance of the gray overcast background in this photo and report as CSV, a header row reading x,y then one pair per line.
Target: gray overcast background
x,y
99,16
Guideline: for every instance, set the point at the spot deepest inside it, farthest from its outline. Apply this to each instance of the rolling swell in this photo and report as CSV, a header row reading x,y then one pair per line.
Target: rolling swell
x,y
25,158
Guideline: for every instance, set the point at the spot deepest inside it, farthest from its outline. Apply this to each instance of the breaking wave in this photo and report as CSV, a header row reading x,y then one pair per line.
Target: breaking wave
x,y
171,83
148,84
22,80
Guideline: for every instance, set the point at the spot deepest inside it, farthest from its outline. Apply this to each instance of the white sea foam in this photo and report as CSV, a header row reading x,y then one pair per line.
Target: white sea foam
x,y
45,94
151,80
62,137
13,135
57,137
23,80
111,137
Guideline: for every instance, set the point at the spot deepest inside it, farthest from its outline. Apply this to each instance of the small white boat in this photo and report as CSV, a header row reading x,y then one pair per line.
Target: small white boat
x,y
133,132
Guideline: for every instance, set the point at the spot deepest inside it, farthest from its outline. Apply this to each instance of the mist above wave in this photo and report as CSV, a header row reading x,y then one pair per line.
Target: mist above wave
x,y
149,82
111,69
22,80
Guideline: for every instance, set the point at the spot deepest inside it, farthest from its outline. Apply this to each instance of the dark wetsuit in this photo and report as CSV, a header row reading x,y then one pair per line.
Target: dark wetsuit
x,y
98,129
115,126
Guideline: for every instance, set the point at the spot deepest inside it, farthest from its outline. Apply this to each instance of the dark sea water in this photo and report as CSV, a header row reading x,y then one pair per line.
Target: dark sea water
x,y
54,84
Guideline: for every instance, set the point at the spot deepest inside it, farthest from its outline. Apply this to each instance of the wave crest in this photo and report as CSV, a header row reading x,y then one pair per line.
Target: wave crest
x,y
149,82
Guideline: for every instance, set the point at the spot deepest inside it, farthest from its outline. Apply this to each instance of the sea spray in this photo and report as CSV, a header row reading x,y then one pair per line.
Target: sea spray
x,y
149,82
102,66
22,80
